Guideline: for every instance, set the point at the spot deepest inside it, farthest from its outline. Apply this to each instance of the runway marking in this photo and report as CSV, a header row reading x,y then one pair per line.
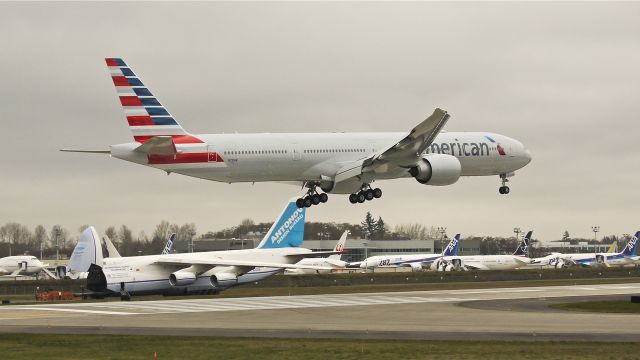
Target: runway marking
x,y
73,310
321,301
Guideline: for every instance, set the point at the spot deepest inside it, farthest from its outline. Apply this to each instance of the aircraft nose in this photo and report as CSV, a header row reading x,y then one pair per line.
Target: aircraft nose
x,y
527,155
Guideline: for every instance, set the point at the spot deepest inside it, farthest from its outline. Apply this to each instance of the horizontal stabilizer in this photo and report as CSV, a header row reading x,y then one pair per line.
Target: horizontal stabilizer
x,y
87,151
158,145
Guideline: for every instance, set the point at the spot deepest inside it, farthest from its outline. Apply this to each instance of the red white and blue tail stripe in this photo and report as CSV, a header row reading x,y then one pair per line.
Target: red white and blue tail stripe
x,y
147,117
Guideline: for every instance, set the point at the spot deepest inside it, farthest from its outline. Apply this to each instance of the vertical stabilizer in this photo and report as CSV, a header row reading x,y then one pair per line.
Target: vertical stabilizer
x,y
340,246
523,247
452,247
288,230
88,251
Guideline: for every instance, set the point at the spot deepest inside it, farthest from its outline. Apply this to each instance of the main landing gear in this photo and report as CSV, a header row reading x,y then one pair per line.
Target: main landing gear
x,y
312,198
366,194
504,189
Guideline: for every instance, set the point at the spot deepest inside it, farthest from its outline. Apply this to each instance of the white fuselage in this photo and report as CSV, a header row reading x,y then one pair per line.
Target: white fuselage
x,y
489,262
412,260
314,156
30,265
141,275
584,259
320,262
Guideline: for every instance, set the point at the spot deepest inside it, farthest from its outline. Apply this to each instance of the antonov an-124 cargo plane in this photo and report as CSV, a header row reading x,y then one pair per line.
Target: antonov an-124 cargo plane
x,y
337,163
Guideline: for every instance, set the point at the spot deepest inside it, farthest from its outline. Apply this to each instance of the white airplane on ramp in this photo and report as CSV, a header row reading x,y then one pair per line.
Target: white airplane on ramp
x,y
332,261
20,265
205,272
337,163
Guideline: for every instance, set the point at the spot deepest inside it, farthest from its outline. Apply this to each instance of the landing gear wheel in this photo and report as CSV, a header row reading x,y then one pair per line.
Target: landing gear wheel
x,y
377,193
368,194
307,202
353,198
315,199
506,190
300,203
361,197
501,189
324,197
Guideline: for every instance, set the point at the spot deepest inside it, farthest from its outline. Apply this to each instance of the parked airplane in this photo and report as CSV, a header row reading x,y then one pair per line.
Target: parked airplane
x,y
332,261
20,265
492,262
338,163
417,262
627,256
211,271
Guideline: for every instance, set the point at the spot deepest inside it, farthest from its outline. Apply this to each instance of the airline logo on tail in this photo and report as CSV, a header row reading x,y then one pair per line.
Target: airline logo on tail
x,y
524,245
452,248
632,245
149,119
288,230
167,248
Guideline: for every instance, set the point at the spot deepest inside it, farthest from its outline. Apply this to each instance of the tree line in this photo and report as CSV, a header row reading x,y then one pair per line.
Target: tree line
x,y
17,239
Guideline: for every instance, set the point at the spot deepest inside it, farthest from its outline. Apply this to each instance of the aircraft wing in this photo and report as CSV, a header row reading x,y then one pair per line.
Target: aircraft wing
x,y
314,254
175,260
403,153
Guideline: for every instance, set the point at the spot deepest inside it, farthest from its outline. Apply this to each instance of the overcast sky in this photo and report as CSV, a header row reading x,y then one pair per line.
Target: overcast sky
x,y
563,78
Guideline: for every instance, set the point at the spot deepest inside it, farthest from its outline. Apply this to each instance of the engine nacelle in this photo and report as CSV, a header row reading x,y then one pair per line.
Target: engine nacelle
x,y
437,170
224,280
181,278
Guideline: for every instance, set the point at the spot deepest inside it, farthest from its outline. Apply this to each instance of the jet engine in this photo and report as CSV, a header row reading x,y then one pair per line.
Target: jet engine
x,y
437,170
224,280
181,278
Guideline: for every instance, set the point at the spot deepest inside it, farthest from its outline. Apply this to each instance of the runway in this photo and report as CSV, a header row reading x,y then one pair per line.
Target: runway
x,y
482,314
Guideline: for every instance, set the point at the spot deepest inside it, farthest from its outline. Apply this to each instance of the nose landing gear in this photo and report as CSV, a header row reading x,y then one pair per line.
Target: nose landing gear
x,y
366,194
504,189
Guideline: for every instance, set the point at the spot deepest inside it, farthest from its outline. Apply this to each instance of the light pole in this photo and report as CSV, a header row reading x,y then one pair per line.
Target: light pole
x,y
57,233
517,231
595,230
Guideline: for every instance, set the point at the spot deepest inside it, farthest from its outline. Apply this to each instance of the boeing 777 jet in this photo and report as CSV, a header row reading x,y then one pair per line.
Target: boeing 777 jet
x,y
336,163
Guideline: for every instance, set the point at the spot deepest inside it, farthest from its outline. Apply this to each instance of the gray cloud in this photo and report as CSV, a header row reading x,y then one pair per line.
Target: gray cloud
x,y
561,77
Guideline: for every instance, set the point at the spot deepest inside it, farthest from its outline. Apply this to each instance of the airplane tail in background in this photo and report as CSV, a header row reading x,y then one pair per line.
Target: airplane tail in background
x,y
167,248
523,247
88,251
146,116
340,246
288,230
111,249
452,248
632,246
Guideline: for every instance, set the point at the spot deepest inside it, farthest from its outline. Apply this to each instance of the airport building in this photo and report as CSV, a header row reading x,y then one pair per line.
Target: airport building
x,y
357,249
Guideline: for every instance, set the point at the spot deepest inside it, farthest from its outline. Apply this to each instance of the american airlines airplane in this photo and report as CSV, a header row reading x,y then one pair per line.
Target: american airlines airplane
x,y
20,265
417,262
336,163
205,272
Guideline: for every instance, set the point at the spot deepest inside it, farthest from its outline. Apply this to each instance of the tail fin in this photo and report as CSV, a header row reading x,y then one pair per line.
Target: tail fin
x,y
147,117
340,246
288,230
111,249
167,248
612,247
523,247
88,251
632,246
452,248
